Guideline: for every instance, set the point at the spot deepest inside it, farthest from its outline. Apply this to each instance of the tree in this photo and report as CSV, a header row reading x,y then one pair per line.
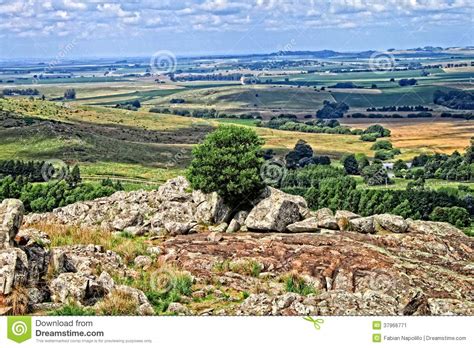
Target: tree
x,y
74,177
297,157
70,93
382,145
350,164
375,174
454,215
228,161
362,161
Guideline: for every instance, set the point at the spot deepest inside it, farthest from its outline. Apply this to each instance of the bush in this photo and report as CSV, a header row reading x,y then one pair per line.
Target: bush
x,y
375,174
295,283
350,164
382,145
369,137
456,216
228,162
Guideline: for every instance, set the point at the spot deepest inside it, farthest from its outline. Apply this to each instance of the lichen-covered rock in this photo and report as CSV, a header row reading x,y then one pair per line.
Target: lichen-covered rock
x,y
13,269
427,271
274,213
143,261
307,225
11,216
390,223
77,288
85,259
237,221
362,225
210,208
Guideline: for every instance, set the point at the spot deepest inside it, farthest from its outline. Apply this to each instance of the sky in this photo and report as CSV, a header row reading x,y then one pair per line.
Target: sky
x,y
94,28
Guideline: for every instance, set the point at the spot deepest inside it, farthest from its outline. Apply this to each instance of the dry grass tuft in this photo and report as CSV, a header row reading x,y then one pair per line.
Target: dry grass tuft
x,y
18,301
118,303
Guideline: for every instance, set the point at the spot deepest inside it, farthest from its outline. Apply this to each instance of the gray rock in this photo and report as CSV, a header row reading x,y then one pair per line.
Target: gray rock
x,y
77,288
329,223
178,308
390,223
211,208
143,261
323,213
175,190
237,221
214,237
219,228
346,214
308,225
362,225
11,216
274,213
13,269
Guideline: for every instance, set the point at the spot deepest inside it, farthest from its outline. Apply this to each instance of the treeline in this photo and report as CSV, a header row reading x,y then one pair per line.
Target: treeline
x,y
327,186
460,100
210,77
410,115
43,197
31,170
17,91
461,116
205,113
332,110
133,105
454,167
400,108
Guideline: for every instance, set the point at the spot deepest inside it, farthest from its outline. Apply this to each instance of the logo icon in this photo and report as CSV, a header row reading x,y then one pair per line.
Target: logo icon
x,y
376,325
376,338
19,329
316,322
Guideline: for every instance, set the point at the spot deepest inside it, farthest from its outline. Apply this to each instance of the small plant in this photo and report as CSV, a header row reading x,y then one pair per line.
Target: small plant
x,y
72,309
295,283
118,303
18,301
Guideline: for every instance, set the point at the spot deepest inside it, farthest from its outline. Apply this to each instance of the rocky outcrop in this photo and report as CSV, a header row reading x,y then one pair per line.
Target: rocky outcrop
x,y
424,271
63,275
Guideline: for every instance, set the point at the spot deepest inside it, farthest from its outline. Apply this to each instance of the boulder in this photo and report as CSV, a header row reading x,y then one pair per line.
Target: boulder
x,y
11,216
144,306
390,223
307,225
175,217
219,228
329,223
346,215
78,288
175,190
362,225
85,259
13,269
323,213
143,261
237,221
178,308
274,213
35,244
178,228
210,208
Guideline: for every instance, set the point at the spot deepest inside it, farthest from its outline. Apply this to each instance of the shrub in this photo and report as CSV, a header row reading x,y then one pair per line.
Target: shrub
x,y
72,309
295,283
118,303
228,162
382,145
350,164
456,216
368,137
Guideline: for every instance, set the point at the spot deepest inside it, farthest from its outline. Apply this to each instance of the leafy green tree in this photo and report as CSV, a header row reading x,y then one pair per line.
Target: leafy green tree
x,y
375,174
350,164
74,177
382,145
228,161
454,215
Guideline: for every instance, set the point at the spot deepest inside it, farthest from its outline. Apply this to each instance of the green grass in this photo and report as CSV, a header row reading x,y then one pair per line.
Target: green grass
x,y
401,184
244,122
295,283
417,95
72,310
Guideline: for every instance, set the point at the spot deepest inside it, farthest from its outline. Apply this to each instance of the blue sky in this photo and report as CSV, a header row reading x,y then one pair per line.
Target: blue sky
x,y
32,28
